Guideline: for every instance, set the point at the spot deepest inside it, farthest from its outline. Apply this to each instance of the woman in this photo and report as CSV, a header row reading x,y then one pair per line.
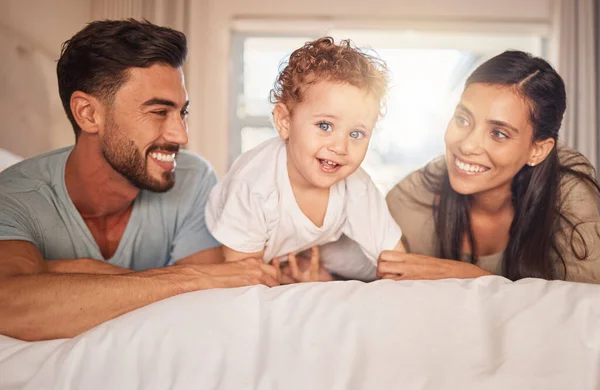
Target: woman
x,y
506,199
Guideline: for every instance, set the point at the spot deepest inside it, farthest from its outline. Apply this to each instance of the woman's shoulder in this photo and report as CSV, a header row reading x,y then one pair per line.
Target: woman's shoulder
x,y
578,177
578,236
571,159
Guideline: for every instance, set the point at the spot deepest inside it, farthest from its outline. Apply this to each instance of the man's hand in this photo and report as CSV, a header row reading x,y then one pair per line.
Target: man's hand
x,y
407,266
300,269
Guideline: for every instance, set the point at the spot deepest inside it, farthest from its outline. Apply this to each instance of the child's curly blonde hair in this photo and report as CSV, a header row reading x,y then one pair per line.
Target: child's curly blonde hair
x,y
324,60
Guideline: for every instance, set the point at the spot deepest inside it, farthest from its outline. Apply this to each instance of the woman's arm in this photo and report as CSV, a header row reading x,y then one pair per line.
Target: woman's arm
x,y
408,266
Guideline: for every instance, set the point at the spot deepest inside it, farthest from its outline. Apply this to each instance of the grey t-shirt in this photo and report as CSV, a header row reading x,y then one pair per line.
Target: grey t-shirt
x,y
163,227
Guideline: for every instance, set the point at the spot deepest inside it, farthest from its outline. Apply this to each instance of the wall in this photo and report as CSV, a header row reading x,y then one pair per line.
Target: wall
x,y
31,34
209,33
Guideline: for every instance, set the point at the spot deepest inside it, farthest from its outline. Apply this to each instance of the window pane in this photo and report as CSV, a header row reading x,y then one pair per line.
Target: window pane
x,y
427,72
262,58
253,136
425,87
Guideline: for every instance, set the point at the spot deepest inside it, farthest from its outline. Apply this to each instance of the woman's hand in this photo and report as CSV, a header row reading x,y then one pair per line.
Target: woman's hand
x,y
408,266
300,269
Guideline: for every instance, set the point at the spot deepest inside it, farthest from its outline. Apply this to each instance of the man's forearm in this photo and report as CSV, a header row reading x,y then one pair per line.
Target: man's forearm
x,y
85,266
49,305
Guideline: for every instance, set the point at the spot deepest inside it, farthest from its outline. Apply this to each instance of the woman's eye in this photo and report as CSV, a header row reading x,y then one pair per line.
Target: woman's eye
x,y
499,134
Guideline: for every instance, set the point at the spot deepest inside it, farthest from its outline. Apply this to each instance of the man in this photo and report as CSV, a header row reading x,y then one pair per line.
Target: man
x,y
86,231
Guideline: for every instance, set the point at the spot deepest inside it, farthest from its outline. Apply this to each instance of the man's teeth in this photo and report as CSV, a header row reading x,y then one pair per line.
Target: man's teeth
x,y
469,167
163,157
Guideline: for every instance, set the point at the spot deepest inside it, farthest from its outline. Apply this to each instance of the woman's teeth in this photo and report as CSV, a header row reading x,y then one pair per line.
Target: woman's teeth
x,y
470,168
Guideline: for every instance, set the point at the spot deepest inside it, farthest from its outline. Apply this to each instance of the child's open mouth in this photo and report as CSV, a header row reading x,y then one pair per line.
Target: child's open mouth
x,y
328,165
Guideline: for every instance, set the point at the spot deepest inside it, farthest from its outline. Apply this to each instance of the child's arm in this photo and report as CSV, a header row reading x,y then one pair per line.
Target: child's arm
x,y
233,255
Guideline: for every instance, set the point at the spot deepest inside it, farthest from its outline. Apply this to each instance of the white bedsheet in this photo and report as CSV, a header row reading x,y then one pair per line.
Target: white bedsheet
x,y
486,333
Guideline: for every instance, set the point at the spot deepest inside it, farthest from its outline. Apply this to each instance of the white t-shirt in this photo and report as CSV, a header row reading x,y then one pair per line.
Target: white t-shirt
x,y
253,208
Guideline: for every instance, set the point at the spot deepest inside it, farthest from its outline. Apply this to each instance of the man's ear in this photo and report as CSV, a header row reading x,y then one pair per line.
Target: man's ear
x,y
541,150
87,111
281,119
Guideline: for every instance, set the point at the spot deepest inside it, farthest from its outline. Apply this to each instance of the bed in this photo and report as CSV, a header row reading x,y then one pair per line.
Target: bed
x,y
486,333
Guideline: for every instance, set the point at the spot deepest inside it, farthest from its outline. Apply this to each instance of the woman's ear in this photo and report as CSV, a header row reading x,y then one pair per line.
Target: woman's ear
x,y
541,150
86,110
281,119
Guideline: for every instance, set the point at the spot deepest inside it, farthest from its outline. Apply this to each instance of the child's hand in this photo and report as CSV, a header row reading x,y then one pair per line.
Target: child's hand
x,y
300,269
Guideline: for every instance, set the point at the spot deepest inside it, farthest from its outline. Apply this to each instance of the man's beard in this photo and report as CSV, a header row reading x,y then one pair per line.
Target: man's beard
x,y
125,158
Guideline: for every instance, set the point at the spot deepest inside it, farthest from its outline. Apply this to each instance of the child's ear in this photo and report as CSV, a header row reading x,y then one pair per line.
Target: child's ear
x,y
541,150
281,119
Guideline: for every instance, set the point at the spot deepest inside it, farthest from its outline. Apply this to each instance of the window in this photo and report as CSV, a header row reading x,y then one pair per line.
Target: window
x,y
428,71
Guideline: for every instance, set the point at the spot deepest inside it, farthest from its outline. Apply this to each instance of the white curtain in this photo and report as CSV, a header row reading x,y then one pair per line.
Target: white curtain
x,y
577,42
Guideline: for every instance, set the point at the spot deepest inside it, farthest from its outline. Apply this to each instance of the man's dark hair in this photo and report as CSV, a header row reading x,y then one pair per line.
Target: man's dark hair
x,y
96,59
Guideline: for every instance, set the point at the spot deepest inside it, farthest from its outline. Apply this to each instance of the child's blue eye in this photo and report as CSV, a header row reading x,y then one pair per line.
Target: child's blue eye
x,y
357,134
324,126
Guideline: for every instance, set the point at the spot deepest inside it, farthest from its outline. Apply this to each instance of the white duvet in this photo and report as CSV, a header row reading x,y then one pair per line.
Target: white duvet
x,y
486,333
